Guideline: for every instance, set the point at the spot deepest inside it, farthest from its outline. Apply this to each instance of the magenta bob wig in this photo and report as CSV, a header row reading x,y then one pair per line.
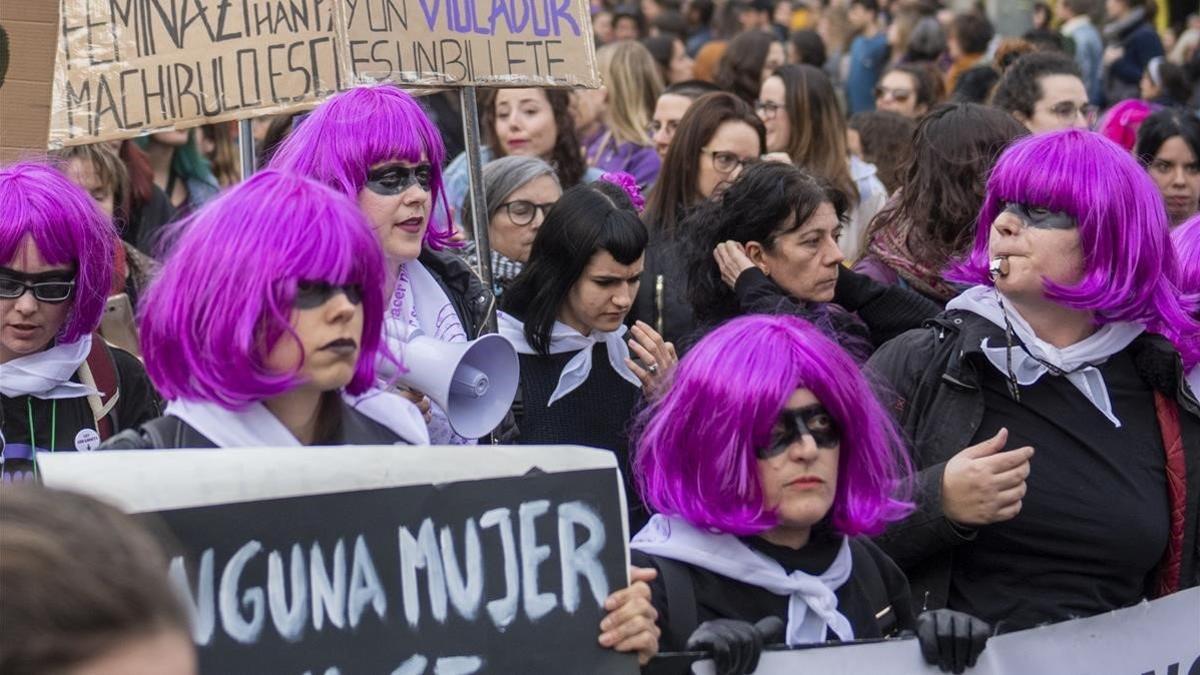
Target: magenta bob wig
x,y
68,228
1186,238
224,295
1130,269
341,139
696,446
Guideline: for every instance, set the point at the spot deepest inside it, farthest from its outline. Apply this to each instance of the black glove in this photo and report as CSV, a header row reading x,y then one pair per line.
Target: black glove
x,y
735,645
951,640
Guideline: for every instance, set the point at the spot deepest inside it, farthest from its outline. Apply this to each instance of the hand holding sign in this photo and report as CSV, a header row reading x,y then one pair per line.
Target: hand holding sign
x,y
630,625
983,485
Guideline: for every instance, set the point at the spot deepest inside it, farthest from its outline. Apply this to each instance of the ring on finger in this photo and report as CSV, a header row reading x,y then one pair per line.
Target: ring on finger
x,y
652,368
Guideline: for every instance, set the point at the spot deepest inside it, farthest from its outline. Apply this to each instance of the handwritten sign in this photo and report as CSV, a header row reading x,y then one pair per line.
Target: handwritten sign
x,y
1154,638
125,67
505,573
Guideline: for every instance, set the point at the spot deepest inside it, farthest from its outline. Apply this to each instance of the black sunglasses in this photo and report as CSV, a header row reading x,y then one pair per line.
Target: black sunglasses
x,y
14,284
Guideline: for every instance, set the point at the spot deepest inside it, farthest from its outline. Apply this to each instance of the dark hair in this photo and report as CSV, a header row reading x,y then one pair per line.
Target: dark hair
x,y
869,5
1080,7
755,208
671,22
1021,87
1046,40
886,142
675,190
809,47
586,219
1175,85
79,579
817,140
954,148
692,89
277,132
1163,126
975,85
661,48
704,11
740,71
1009,50
928,85
630,12
973,32
927,41
566,157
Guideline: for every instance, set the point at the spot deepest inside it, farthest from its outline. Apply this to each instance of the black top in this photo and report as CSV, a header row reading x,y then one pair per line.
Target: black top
x,y
662,300
1094,522
875,599
596,414
74,427
170,432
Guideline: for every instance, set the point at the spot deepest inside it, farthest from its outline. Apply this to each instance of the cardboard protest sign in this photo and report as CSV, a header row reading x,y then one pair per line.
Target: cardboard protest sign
x,y
125,67
1154,638
377,560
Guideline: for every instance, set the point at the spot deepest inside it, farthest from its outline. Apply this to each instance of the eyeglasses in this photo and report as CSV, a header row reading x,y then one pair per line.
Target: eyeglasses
x,y
767,109
313,294
1067,111
522,212
13,285
725,162
897,94
657,126
393,179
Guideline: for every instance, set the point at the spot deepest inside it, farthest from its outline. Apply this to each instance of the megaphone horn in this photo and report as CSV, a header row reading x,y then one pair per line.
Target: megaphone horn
x,y
473,382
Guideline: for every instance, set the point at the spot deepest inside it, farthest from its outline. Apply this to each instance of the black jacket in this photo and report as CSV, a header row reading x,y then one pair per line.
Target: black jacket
x,y
465,289
929,378
170,432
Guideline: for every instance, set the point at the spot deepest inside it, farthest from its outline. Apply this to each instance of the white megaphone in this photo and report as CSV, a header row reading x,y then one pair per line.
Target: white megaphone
x,y
474,382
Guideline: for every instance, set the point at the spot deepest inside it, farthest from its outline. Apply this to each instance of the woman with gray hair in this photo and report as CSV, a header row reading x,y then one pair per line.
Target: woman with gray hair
x,y
518,191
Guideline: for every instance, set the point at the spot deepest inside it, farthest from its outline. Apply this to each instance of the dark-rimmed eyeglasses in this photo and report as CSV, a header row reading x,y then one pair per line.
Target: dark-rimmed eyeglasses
x,y
14,285
522,211
726,162
767,109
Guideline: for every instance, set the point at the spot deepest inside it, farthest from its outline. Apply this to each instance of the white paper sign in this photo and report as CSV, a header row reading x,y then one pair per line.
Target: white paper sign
x,y
1153,638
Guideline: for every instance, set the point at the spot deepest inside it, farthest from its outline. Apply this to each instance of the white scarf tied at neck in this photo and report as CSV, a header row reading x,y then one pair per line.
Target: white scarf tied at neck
x,y
257,427
812,601
563,339
1078,360
47,374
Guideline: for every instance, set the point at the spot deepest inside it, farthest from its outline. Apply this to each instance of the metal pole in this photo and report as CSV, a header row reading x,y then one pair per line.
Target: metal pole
x,y
479,212
246,147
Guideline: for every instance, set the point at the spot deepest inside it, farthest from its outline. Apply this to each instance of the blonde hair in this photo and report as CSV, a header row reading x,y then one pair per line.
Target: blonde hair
x,y
634,84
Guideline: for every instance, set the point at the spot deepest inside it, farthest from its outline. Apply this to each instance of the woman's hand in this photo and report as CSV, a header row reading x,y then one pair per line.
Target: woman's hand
x,y
630,625
951,640
983,484
732,261
420,400
659,356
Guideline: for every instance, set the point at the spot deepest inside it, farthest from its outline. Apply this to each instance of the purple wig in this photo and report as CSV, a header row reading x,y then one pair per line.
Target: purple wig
x,y
1129,265
344,137
696,446
1186,238
68,228
224,296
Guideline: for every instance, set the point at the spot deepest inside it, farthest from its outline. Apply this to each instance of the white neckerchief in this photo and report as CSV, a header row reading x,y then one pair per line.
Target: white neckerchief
x,y
419,306
47,374
563,339
812,601
255,426
1096,348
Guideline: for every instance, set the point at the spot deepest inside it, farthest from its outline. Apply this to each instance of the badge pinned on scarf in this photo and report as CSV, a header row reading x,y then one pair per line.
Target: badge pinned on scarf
x,y
87,440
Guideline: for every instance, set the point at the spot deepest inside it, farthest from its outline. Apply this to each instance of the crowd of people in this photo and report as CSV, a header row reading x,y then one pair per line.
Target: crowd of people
x,y
889,313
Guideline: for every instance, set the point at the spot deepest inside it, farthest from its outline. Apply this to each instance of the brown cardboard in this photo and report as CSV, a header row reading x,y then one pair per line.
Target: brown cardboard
x,y
25,95
119,76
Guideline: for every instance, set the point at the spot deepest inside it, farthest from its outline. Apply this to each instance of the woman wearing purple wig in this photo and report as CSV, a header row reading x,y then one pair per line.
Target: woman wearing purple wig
x,y
767,461
264,325
376,145
1070,344
61,387
1186,238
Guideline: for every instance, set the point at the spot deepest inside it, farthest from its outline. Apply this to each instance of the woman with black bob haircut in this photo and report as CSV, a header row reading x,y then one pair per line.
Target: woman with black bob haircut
x,y
565,314
1168,145
769,246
